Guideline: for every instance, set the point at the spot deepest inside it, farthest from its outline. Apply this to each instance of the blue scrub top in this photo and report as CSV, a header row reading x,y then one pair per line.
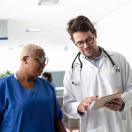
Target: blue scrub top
x,y
27,110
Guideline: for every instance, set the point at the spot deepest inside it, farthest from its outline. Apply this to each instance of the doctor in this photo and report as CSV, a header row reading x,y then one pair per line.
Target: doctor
x,y
94,73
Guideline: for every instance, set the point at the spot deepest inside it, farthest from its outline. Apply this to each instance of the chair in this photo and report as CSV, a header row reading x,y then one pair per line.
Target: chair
x,y
69,123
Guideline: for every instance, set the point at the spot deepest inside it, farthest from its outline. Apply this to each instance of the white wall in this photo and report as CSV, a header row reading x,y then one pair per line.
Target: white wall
x,y
114,33
55,41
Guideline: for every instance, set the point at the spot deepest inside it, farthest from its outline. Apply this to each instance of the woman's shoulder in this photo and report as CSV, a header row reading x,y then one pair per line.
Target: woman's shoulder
x,y
7,78
5,83
46,84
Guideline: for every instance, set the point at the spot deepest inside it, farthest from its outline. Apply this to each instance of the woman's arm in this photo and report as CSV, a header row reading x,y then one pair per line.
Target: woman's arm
x,y
59,126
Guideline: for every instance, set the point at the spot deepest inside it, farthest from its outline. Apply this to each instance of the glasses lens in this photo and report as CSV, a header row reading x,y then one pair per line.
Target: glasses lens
x,y
46,60
88,41
42,60
79,45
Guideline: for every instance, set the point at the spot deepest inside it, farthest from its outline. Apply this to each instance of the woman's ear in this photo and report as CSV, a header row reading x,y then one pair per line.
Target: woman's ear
x,y
24,59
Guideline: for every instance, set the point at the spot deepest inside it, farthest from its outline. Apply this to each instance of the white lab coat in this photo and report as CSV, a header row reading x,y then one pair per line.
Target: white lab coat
x,y
99,81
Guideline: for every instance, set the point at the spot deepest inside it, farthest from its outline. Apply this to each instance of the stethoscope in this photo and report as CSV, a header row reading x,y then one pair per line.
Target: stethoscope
x,y
78,79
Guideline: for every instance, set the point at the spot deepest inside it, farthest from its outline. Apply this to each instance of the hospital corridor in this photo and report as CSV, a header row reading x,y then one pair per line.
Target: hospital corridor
x,y
65,66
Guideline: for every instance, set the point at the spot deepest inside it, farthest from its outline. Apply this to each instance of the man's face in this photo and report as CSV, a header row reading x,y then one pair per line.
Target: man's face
x,y
86,43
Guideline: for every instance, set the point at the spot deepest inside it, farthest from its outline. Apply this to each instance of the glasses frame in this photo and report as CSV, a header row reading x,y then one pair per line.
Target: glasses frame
x,y
41,60
88,41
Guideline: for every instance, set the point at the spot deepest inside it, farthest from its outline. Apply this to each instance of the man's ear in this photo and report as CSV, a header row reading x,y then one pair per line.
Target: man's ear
x,y
24,59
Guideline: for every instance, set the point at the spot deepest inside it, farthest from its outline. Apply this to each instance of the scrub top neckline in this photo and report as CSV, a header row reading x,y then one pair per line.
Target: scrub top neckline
x,y
25,88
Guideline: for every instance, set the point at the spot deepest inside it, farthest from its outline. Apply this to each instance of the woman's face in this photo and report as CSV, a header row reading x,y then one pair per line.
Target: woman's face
x,y
36,62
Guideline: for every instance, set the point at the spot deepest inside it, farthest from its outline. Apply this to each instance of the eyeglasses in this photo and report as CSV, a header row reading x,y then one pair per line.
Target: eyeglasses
x,y
41,60
88,41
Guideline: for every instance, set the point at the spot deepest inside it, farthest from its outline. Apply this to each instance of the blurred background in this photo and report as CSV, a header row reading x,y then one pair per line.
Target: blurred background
x,y
44,22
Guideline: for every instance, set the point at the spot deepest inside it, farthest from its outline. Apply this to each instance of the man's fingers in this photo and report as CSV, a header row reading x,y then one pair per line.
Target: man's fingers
x,y
83,106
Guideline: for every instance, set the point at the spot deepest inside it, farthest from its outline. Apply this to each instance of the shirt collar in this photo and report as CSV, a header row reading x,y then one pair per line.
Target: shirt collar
x,y
98,58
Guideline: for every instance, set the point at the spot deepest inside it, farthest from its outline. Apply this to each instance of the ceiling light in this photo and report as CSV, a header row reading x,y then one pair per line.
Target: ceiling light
x,y
33,30
48,2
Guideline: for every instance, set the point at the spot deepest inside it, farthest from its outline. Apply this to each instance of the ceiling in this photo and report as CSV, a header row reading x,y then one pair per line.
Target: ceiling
x,y
58,15
52,20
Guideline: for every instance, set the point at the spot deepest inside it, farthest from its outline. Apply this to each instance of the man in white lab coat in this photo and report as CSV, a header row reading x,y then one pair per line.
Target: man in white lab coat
x,y
96,73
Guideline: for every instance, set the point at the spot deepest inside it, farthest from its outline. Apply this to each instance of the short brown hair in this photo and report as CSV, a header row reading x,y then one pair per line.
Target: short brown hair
x,y
82,24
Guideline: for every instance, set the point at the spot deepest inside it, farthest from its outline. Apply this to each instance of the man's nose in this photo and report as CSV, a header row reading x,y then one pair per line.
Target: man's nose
x,y
86,44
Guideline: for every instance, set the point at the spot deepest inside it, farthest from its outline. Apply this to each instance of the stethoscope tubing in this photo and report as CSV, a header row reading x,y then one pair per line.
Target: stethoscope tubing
x,y
116,68
81,65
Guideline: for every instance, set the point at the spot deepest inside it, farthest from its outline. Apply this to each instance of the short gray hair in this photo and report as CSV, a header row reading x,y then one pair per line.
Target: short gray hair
x,y
28,48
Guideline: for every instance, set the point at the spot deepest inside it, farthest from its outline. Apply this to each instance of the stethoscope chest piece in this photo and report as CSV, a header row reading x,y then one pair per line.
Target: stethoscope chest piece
x,y
116,68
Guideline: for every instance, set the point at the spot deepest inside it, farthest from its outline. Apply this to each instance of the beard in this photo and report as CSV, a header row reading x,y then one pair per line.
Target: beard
x,y
91,52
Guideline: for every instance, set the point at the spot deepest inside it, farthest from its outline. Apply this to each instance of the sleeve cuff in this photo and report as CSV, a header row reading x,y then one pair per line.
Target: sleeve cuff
x,y
127,99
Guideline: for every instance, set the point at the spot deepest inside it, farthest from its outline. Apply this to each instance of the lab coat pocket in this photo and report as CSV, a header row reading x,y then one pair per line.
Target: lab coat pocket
x,y
113,78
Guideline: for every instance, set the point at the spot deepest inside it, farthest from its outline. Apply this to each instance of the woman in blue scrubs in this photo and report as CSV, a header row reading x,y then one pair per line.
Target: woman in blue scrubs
x,y
28,102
